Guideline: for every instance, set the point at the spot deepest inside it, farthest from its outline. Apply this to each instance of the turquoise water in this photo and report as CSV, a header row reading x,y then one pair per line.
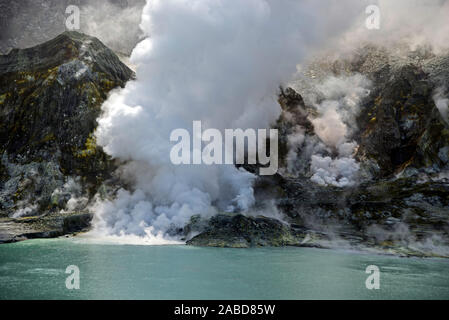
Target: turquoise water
x,y
36,270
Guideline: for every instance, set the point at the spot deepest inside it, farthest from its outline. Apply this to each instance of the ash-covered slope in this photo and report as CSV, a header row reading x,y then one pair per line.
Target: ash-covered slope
x,y
50,98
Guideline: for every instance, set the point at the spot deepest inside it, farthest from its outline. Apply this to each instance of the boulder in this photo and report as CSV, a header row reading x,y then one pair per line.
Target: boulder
x,y
239,231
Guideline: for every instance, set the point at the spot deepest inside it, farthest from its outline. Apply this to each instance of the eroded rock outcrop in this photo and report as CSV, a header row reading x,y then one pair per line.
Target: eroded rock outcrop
x,y
401,127
50,98
400,203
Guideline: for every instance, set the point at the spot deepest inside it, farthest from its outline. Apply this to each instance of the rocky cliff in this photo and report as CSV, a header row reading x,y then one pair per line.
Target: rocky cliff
x,y
50,98
400,204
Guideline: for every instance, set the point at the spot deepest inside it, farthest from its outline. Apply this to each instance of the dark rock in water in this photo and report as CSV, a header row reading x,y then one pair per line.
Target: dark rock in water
x,y
50,98
238,231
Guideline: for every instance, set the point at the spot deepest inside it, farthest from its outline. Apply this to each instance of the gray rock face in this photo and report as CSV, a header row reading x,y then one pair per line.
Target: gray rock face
x,y
238,231
401,126
49,226
294,113
400,207
50,98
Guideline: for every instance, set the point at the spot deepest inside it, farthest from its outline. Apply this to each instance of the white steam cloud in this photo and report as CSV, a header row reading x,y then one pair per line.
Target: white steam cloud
x,y
337,121
337,103
114,25
411,23
442,103
220,62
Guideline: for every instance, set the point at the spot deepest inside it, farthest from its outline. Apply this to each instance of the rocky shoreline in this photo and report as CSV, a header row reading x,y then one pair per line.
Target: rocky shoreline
x,y
238,231
222,231
43,227
51,168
